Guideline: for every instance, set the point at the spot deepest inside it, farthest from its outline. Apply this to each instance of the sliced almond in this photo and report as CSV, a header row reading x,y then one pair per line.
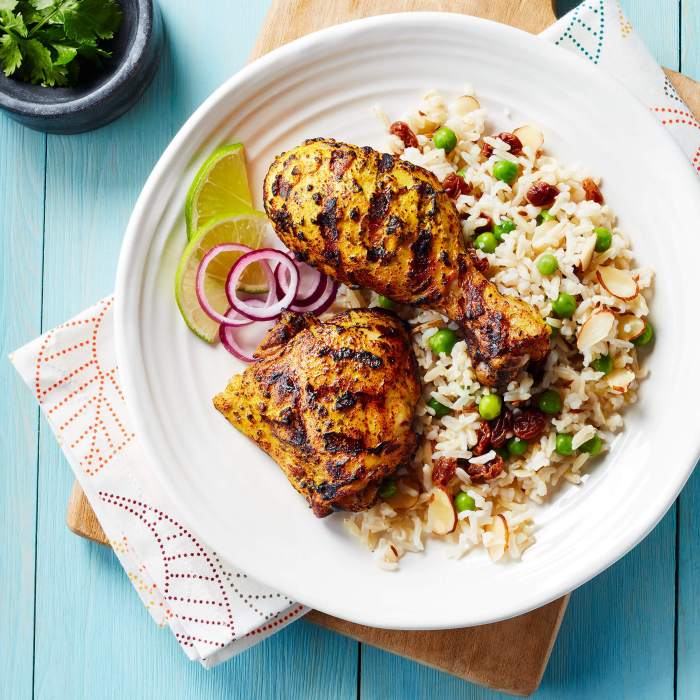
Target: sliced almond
x,y
500,537
402,499
619,283
630,327
595,329
442,516
587,253
549,234
530,136
465,104
620,379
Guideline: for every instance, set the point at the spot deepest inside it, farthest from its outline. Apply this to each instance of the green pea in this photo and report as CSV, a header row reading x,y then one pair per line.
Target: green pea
x,y
445,138
388,489
592,446
443,341
502,452
603,239
505,170
603,364
490,406
502,227
646,337
517,447
549,402
486,242
463,501
462,172
564,305
439,409
385,302
544,215
547,264
563,445
554,330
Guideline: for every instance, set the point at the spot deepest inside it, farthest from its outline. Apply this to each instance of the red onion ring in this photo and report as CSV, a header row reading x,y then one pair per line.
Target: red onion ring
x,y
227,333
270,310
326,298
208,309
318,285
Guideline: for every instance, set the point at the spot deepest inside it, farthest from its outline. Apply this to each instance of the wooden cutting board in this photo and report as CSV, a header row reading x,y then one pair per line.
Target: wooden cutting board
x,y
510,655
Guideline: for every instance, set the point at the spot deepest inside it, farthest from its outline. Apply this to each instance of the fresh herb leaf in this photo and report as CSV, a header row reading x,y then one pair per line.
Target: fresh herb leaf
x,y
46,41
64,54
90,19
10,54
12,23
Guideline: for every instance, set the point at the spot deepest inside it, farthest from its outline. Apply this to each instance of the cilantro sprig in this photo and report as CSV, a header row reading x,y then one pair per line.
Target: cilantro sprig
x,y
45,41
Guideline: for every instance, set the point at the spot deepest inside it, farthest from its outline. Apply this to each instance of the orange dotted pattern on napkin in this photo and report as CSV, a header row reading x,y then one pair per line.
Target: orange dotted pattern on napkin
x,y
680,118
87,397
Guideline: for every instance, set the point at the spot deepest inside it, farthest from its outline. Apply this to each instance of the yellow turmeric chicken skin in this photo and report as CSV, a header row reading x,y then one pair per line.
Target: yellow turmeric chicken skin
x,y
332,403
371,219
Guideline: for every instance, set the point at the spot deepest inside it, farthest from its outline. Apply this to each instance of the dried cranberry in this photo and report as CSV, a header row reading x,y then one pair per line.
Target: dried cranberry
x,y
542,194
486,150
593,193
500,428
529,424
485,472
483,436
405,133
515,144
454,185
443,471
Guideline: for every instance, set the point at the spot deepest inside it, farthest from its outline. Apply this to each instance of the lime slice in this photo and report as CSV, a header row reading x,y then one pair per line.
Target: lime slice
x,y
220,188
249,229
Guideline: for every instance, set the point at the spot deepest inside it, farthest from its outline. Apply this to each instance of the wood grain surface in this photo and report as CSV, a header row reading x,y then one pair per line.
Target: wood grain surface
x,y
511,655
72,626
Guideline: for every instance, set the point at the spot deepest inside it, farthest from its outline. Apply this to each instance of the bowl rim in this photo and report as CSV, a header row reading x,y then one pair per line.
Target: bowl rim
x,y
146,14
127,295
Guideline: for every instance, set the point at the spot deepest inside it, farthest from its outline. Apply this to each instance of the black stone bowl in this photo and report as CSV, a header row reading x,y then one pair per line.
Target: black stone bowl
x,y
103,96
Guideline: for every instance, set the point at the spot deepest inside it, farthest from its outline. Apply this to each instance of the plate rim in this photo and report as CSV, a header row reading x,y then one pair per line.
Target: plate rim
x,y
133,241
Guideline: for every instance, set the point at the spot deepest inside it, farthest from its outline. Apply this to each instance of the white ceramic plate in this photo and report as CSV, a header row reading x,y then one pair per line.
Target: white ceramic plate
x,y
326,84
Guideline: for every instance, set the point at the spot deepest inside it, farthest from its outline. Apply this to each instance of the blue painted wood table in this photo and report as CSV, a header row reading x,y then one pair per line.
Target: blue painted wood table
x,y
70,624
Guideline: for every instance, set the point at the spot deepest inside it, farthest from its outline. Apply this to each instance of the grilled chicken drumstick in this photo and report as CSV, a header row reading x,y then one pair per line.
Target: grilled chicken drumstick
x,y
332,403
371,219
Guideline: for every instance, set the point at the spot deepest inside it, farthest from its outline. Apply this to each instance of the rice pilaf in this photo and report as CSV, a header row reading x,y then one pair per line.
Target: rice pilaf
x,y
598,336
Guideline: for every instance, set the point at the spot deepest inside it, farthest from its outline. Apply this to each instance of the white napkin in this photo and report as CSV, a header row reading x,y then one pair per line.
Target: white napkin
x,y
214,610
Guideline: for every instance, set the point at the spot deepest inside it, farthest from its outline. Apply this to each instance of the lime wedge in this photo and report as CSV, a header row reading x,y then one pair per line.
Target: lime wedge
x,y
247,228
220,188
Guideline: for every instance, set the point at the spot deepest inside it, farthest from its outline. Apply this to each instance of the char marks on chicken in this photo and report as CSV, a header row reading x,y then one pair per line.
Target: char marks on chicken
x,y
332,402
371,219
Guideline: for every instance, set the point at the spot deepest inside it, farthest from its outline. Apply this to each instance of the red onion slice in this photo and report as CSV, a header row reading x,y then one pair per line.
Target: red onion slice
x,y
326,298
271,309
200,280
228,333
312,284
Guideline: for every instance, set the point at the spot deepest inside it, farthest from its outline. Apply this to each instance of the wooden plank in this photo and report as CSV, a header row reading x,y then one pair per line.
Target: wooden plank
x,y
688,655
289,20
688,610
690,31
21,204
94,639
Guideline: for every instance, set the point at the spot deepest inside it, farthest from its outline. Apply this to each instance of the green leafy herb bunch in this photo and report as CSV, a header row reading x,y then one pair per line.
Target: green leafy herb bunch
x,y
45,41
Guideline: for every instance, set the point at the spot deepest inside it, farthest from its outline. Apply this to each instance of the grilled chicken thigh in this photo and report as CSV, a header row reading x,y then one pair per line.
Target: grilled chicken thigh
x,y
371,219
332,403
